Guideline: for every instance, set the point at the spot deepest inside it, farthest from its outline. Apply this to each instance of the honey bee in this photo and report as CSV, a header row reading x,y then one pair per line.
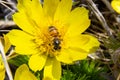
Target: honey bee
x,y
55,34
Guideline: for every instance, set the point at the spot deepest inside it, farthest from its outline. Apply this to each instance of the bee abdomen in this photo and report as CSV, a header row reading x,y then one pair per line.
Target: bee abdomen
x,y
56,43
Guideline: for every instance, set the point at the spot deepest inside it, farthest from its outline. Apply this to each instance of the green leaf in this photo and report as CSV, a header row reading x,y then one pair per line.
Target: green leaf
x,y
19,60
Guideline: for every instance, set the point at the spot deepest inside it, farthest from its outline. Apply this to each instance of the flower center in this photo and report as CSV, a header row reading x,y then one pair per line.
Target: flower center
x,y
51,41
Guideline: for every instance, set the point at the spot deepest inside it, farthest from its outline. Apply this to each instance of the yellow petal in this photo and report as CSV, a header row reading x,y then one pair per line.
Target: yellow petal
x,y
78,20
92,45
23,73
2,74
85,42
23,4
2,69
24,42
50,7
7,43
37,62
64,56
29,18
116,5
52,69
77,54
32,9
24,22
63,10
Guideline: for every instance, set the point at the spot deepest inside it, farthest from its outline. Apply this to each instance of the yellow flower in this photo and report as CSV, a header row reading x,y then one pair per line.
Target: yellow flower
x,y
23,73
7,45
116,5
2,69
51,33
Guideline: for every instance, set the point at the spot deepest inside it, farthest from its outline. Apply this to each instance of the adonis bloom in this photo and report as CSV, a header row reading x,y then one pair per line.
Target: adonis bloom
x,y
23,73
2,69
51,33
6,44
116,5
